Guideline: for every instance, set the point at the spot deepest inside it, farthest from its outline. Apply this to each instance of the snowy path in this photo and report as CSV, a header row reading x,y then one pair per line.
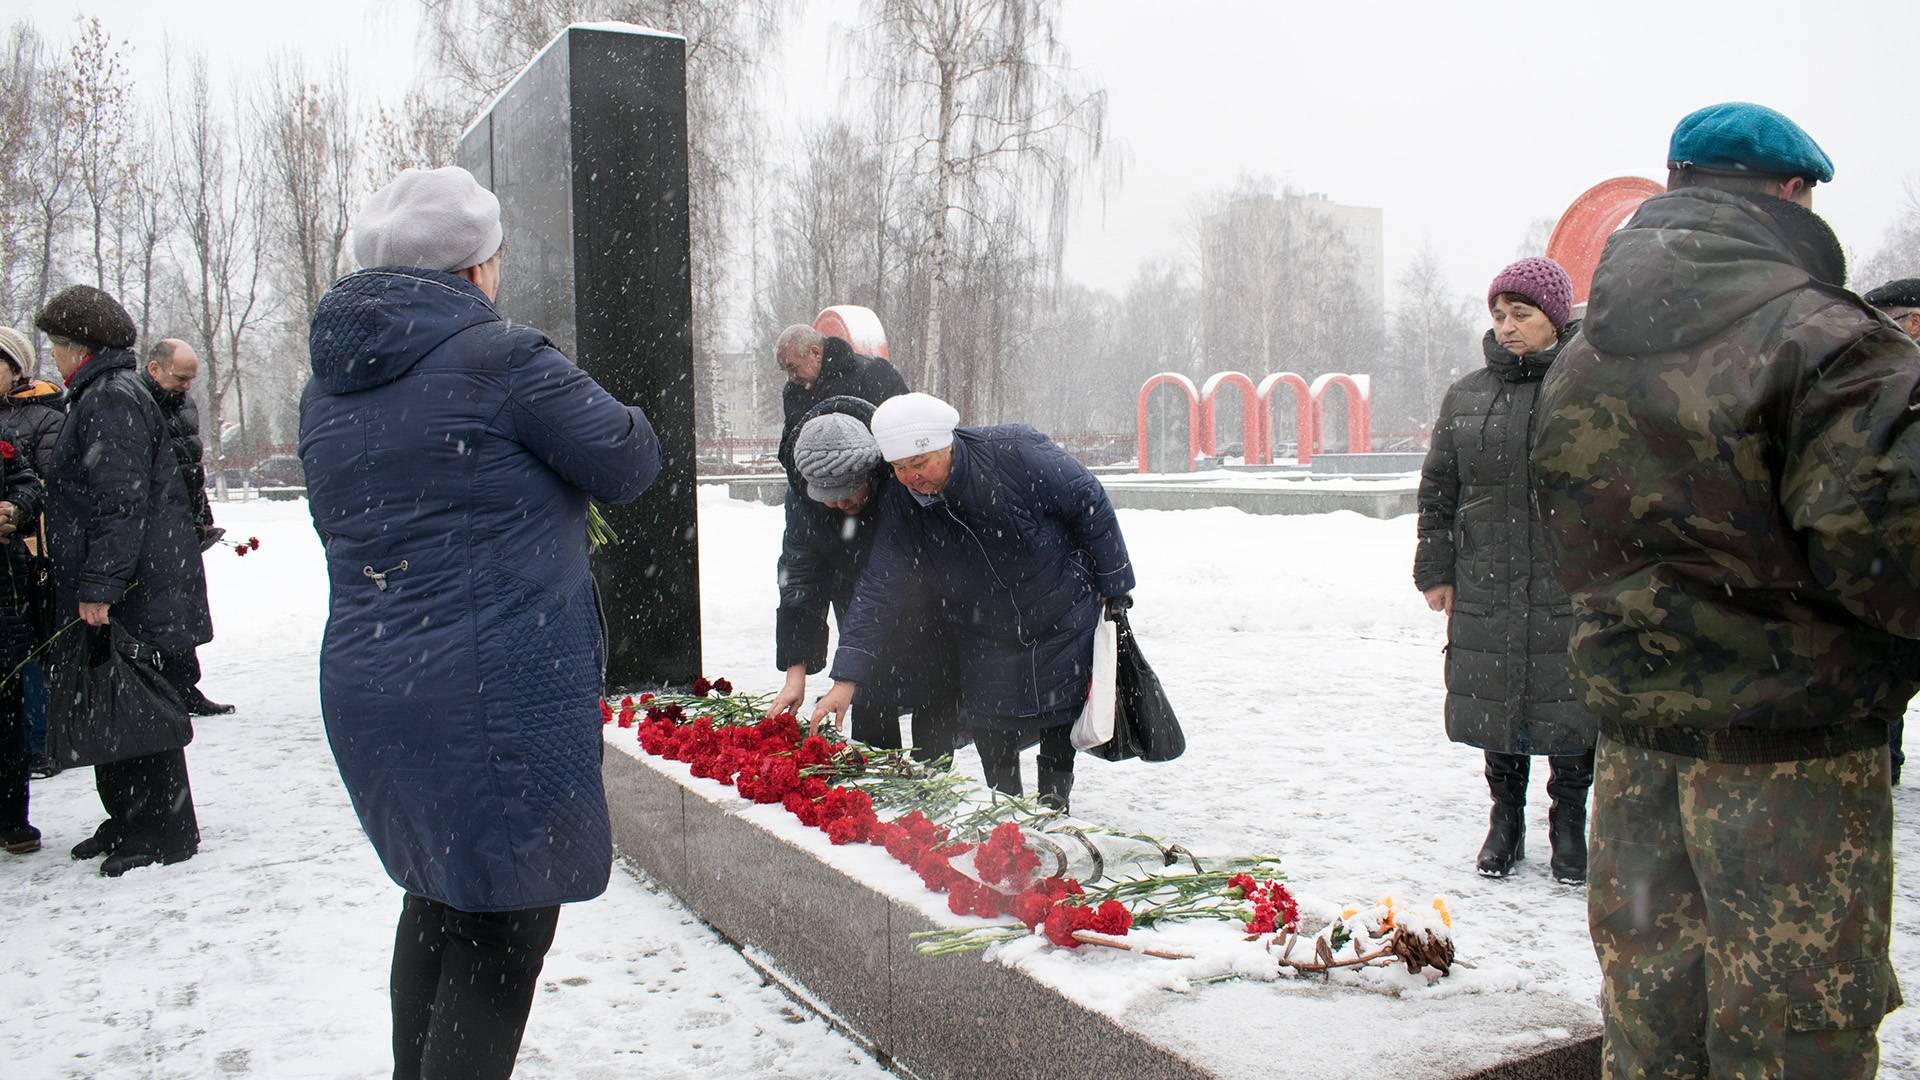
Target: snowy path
x,y
1303,664
266,954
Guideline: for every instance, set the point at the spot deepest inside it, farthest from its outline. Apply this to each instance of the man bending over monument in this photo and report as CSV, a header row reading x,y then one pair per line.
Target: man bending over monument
x,y
450,456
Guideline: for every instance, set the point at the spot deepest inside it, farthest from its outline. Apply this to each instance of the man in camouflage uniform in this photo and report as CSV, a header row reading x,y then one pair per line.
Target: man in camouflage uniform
x,y
1730,472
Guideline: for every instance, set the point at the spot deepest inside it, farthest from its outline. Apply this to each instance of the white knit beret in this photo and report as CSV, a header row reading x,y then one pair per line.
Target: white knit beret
x,y
435,219
913,424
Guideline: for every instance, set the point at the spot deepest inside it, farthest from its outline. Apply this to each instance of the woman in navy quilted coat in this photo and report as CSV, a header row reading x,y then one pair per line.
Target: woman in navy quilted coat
x,y
450,457
1016,545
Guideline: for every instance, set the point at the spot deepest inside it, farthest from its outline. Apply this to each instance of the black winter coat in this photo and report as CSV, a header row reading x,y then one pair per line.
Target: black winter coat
x,y
183,427
20,486
30,418
843,373
1015,554
821,555
119,524
1507,684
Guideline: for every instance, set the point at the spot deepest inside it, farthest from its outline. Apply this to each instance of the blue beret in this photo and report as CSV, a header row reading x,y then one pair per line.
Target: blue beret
x,y
1742,137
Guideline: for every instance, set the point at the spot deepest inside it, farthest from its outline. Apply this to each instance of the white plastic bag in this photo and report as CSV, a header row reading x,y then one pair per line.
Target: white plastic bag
x,y
1095,726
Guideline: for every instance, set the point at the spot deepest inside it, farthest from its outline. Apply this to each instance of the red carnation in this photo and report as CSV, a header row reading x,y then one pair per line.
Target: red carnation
x,y
253,542
1112,917
723,686
701,686
240,551
6,450
606,712
1031,908
1059,927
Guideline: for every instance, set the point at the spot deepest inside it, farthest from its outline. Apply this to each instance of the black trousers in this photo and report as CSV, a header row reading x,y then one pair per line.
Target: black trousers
x,y
1569,778
934,728
14,758
148,800
1000,759
463,984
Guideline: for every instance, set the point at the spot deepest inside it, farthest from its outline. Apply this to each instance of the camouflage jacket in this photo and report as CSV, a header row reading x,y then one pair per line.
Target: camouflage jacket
x,y
1728,460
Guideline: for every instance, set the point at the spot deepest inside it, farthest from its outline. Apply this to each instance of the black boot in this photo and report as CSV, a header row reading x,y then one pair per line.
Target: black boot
x,y
136,854
1568,785
103,841
1506,826
20,840
198,705
1055,787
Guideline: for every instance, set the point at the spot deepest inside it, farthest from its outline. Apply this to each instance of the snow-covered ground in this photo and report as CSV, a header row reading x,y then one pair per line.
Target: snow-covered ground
x,y
1303,664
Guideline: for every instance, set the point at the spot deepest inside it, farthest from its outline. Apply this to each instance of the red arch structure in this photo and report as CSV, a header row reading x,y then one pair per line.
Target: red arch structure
x,y
857,326
1359,391
1303,412
1252,431
1581,233
1193,414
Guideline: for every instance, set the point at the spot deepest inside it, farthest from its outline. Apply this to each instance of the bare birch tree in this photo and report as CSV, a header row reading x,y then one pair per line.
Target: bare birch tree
x,y
311,136
996,105
100,101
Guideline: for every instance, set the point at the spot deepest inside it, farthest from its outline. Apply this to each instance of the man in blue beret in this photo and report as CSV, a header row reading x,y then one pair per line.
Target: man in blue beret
x,y
1730,477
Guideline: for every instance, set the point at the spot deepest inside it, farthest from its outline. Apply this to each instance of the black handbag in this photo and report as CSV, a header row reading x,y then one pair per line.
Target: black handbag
x,y
108,700
1143,722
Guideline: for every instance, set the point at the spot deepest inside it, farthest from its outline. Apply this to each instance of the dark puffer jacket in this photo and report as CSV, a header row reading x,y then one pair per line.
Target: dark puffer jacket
x,y
1507,685
843,373
30,418
20,486
119,524
1729,461
449,458
1015,553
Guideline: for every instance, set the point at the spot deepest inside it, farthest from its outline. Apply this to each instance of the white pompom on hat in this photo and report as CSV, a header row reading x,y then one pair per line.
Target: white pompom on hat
x,y
913,424
435,219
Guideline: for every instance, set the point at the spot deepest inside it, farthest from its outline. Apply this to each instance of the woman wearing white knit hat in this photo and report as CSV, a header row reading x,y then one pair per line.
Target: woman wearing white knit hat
x,y
1017,545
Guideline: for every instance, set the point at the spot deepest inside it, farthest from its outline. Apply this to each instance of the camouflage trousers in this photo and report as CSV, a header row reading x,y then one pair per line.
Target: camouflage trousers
x,y
1741,914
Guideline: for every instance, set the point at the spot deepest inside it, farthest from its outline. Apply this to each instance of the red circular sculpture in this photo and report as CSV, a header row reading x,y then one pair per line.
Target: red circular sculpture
x,y
1581,233
857,326
1193,414
1252,431
1302,412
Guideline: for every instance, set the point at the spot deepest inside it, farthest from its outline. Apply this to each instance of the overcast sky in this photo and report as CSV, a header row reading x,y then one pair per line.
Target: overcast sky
x,y
1464,122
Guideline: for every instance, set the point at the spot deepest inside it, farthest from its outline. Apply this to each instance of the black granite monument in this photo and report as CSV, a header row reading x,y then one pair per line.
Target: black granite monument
x,y
587,151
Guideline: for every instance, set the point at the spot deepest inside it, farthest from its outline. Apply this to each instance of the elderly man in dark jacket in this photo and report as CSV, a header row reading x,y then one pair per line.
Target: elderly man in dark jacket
x,y
822,553
124,548
819,367
171,369
450,456
1016,545
1729,460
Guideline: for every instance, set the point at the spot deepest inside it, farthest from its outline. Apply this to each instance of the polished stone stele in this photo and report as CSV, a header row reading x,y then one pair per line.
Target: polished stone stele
x,y
587,151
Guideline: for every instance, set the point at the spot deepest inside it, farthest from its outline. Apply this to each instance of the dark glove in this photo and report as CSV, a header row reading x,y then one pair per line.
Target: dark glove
x,y
210,537
1118,604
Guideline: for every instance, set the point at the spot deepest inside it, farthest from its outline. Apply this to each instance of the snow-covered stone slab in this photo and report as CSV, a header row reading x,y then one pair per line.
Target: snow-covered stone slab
x,y
834,923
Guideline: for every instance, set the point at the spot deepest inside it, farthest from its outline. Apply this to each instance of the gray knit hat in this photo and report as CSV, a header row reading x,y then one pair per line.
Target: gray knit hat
x,y
835,453
436,219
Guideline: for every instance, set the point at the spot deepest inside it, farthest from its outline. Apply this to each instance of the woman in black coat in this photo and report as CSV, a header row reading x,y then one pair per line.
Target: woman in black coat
x,y
124,551
1483,559
829,534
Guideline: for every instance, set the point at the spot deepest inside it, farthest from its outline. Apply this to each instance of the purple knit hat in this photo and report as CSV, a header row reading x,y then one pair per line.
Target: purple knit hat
x,y
1542,282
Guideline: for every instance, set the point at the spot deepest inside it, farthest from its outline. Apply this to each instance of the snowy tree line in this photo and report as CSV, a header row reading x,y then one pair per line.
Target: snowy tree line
x,y
937,194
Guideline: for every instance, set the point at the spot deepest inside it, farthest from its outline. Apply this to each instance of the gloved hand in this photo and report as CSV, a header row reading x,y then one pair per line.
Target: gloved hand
x,y
1117,604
